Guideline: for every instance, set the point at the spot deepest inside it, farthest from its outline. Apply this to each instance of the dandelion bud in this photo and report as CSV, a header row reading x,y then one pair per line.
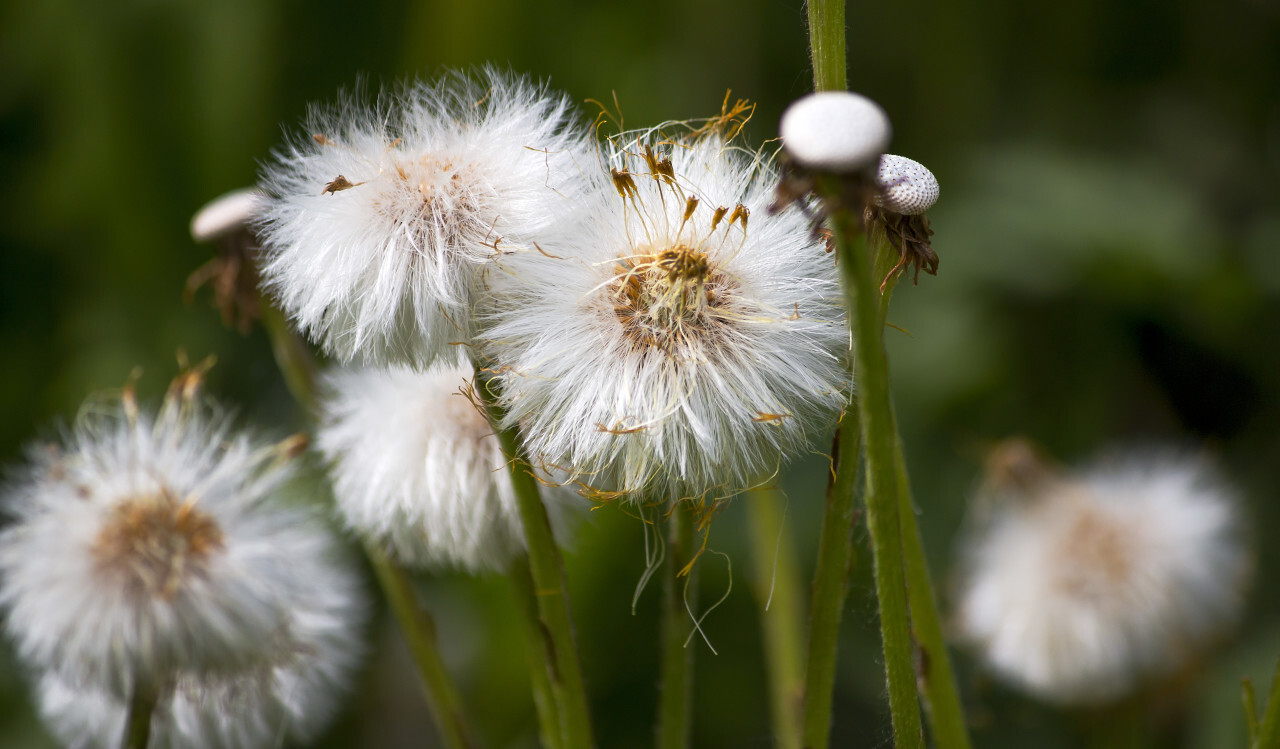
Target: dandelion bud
x,y
147,546
835,131
906,186
667,347
381,218
417,468
226,214
1080,587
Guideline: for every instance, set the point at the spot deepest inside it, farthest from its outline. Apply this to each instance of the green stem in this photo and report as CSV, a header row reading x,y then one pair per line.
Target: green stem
x,y
831,580
1269,730
880,435
420,633
292,357
935,676
674,720
777,591
548,577
1250,698
539,650
299,369
137,725
827,44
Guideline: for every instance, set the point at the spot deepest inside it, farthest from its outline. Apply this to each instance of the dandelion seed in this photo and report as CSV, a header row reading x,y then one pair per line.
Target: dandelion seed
x,y
1078,588
416,468
379,222
644,358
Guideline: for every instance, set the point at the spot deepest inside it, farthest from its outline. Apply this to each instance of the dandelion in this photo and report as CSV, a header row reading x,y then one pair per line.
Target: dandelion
x,y
417,468
680,340
147,545
292,691
381,217
1080,587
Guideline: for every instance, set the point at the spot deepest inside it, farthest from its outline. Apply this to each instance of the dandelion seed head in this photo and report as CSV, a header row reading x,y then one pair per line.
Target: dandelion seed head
x,y
1080,589
140,546
381,216
678,340
418,470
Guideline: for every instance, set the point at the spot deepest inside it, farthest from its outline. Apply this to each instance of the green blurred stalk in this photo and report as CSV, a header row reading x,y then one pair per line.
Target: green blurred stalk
x,y
419,631
299,370
674,698
831,581
137,724
539,654
1250,698
776,583
1269,729
547,567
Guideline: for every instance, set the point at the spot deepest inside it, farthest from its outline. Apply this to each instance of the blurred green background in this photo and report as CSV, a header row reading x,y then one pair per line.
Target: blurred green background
x,y
1109,234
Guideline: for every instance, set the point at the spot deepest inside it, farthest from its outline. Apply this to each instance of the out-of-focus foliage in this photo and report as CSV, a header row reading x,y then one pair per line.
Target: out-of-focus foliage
x,y
1109,231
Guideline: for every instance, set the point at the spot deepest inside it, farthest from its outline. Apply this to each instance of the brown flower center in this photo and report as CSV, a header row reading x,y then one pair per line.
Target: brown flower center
x,y
665,299
152,543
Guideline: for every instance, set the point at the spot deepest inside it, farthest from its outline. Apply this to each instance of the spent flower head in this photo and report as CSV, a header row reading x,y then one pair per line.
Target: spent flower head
x,y
417,468
147,545
679,340
380,217
1079,587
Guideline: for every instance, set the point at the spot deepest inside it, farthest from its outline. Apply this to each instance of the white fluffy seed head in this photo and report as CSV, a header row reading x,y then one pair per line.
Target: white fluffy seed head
x,y
1079,590
906,186
227,213
835,131
680,340
416,468
381,217
147,545
293,692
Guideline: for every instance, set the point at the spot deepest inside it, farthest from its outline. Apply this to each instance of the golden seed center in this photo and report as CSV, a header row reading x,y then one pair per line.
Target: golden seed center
x,y
153,543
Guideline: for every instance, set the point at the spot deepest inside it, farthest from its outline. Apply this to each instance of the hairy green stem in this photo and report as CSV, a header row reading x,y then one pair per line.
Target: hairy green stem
x,y
419,631
935,675
831,580
674,699
880,435
776,584
299,370
827,44
142,705
539,653
547,569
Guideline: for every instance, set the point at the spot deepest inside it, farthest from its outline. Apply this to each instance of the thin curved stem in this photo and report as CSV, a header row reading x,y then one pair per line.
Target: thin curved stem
x,y
419,631
674,719
547,569
539,653
777,586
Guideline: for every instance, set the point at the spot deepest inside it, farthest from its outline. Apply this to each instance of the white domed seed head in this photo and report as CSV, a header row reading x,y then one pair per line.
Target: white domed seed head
x,y
681,341
417,469
1081,588
293,691
226,214
906,186
146,546
382,217
835,131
